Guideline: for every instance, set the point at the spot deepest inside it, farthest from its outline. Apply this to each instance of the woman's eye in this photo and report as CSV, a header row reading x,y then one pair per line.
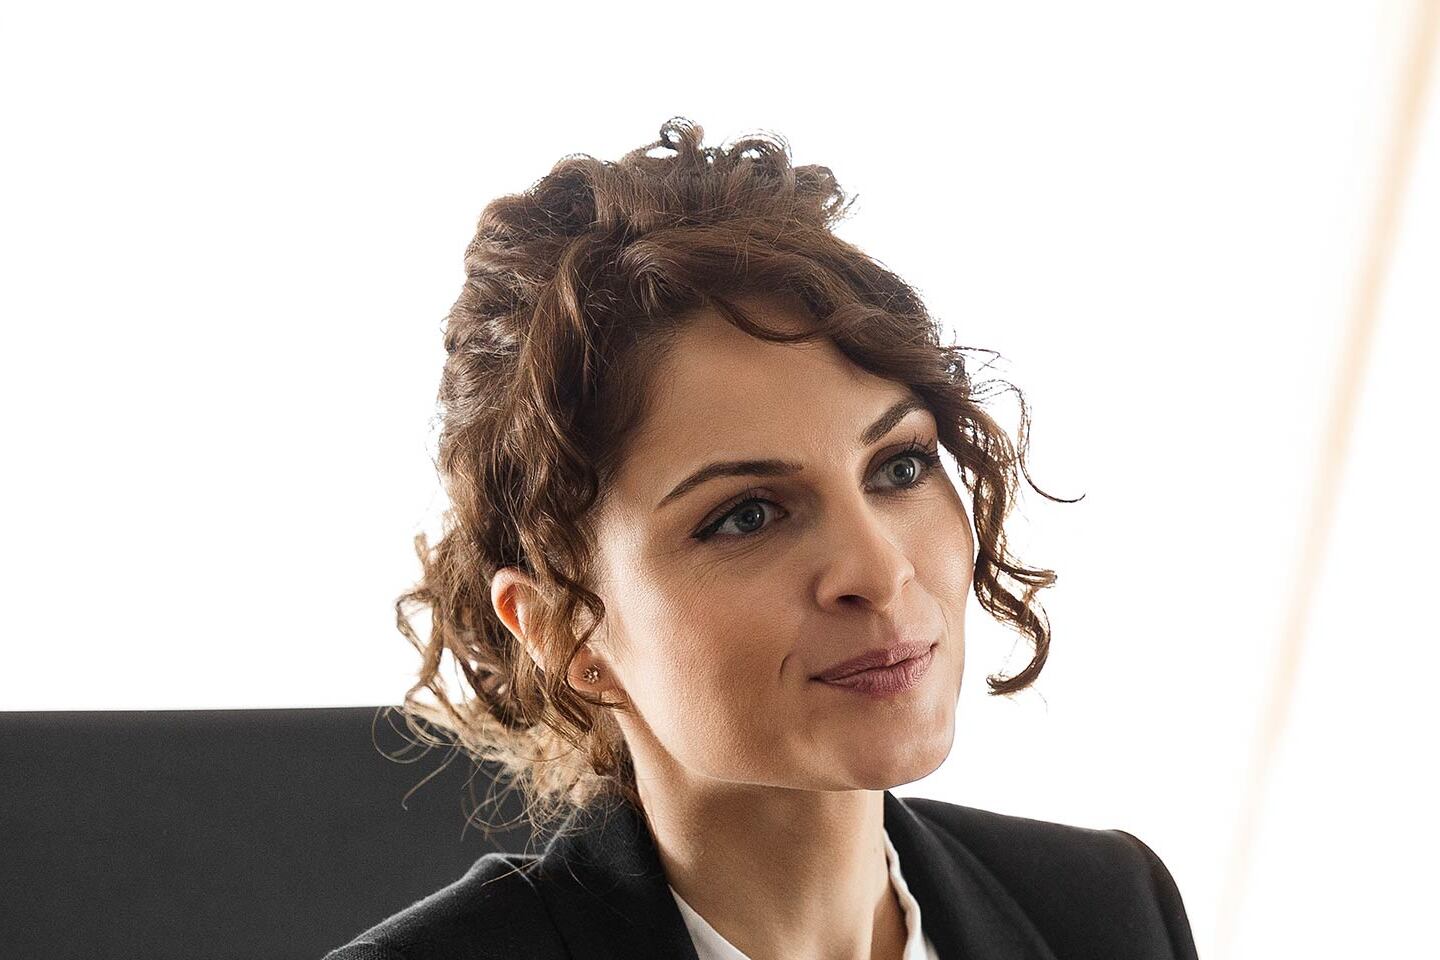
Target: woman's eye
x,y
748,517
905,476
908,470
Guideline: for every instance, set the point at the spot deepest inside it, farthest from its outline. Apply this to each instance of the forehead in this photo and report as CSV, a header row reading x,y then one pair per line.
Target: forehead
x,y
722,393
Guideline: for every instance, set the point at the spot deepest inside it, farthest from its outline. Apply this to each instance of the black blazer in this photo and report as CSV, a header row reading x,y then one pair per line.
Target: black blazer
x,y
990,887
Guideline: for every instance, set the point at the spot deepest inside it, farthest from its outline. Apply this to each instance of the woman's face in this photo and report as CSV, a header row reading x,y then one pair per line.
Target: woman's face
x,y
719,613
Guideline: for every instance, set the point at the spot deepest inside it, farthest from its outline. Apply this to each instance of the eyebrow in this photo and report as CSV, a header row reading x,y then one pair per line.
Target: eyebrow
x,y
784,468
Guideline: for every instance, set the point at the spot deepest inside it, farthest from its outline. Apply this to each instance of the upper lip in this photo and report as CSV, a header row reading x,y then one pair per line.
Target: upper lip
x,y
878,657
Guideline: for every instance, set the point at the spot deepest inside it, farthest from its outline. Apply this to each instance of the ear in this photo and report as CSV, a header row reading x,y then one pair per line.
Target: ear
x,y
515,597
513,594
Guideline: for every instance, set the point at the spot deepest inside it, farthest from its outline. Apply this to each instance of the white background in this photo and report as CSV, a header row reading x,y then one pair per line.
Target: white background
x,y
230,235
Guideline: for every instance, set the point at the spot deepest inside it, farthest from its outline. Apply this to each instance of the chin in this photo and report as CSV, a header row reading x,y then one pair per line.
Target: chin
x,y
884,769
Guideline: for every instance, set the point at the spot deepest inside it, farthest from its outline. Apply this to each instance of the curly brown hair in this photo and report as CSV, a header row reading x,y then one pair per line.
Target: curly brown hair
x,y
573,291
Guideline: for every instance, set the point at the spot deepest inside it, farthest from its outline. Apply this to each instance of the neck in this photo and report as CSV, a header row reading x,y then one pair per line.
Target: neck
x,y
781,872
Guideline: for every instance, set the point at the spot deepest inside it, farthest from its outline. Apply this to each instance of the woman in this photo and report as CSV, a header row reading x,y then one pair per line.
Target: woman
x,y
691,444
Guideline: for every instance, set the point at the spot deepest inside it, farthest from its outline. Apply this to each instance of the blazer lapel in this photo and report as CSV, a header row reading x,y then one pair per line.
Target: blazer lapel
x,y
964,910
605,888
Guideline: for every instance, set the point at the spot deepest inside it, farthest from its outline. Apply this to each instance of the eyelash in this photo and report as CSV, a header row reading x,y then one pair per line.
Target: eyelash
x,y
929,456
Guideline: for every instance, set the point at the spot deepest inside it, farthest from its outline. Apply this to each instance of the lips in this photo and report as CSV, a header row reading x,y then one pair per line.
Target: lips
x,y
877,657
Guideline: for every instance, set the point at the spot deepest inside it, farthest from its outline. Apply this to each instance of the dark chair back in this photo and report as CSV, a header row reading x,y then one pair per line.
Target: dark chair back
x,y
225,833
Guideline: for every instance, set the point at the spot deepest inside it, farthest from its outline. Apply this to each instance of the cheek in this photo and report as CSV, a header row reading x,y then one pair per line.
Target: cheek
x,y
721,664
710,678
716,715
949,551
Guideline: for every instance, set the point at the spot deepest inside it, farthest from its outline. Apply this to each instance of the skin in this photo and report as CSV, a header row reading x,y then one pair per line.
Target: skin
x,y
764,788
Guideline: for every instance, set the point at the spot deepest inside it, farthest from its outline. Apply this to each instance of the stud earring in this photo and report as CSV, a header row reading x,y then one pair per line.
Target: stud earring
x,y
591,674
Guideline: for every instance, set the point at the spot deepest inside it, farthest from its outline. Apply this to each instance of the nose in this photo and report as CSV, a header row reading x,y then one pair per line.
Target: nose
x,y
868,561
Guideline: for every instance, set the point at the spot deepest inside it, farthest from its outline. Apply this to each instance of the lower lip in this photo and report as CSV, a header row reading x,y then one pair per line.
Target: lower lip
x,y
888,681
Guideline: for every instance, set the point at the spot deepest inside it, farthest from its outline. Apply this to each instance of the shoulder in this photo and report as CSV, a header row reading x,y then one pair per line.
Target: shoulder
x,y
492,911
1010,843
1068,878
